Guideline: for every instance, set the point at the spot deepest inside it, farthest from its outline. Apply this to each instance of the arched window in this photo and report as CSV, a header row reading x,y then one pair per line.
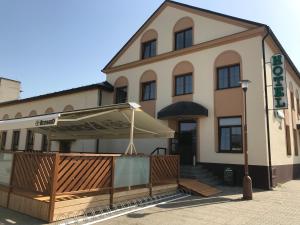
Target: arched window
x,y
68,108
149,44
148,86
183,33
183,78
33,113
49,110
228,70
18,115
292,99
297,101
5,117
121,90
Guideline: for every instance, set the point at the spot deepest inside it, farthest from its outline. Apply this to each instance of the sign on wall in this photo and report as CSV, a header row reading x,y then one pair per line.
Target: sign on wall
x,y
279,83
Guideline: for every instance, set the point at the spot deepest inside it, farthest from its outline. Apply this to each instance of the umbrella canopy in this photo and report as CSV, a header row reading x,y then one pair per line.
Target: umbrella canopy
x,y
107,122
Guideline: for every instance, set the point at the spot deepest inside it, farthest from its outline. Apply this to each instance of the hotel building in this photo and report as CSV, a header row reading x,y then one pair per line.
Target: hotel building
x,y
183,66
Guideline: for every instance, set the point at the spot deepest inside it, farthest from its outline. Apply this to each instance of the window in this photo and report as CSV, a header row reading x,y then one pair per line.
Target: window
x,y
148,49
295,141
298,105
29,140
121,95
292,100
228,77
3,140
288,140
44,147
183,39
230,134
148,91
183,84
65,146
15,140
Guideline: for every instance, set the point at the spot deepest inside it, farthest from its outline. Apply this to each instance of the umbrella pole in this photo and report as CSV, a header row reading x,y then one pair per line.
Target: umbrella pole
x,y
131,146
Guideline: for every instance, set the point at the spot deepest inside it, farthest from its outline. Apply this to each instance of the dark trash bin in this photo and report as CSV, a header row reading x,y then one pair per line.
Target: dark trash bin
x,y
229,176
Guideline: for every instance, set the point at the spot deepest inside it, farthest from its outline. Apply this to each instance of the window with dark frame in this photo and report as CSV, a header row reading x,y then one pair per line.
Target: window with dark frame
x,y
3,140
148,91
149,49
45,143
288,140
292,100
29,140
230,134
183,84
228,77
121,95
298,105
184,39
296,142
15,140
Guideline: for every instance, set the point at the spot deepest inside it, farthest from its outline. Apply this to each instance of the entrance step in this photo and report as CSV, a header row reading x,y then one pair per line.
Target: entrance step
x,y
197,187
199,173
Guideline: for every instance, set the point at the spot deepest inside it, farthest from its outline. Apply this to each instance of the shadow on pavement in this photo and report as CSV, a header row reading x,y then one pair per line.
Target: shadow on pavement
x,y
9,217
190,202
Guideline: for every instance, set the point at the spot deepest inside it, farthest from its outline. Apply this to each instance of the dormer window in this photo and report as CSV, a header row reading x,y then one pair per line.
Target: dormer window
x,y
184,39
149,49
149,44
183,33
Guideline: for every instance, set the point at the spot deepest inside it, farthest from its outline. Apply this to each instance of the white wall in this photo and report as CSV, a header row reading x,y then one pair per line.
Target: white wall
x,y
9,90
81,100
203,62
205,29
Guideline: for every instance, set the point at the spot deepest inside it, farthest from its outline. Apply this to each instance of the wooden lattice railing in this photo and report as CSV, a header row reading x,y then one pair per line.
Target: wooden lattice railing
x,y
78,173
52,174
164,169
33,172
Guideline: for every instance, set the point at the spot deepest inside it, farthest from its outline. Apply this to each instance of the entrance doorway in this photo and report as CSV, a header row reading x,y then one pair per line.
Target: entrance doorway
x,y
187,141
65,146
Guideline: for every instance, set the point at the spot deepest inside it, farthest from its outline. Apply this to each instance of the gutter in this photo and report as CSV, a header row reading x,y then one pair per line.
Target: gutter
x,y
99,103
267,108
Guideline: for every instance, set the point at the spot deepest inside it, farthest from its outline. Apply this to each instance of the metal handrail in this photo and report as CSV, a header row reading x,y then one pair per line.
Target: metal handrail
x,y
157,151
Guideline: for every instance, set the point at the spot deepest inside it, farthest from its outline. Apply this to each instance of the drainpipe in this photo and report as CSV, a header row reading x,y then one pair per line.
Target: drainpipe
x,y
267,108
99,103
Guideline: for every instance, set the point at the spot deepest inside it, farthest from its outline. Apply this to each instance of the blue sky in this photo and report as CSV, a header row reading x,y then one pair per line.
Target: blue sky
x,y
52,45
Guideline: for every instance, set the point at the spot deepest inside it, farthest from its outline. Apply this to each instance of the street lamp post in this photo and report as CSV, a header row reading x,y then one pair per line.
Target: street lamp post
x,y
247,182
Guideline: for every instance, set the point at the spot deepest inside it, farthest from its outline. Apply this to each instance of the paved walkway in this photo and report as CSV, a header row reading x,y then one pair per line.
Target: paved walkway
x,y
278,207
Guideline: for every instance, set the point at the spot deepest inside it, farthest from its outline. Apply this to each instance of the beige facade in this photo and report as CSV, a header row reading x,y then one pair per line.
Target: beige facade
x,y
9,89
84,97
217,41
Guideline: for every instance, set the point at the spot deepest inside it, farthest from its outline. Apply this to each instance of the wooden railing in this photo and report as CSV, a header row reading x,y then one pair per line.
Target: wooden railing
x,y
53,174
164,169
78,173
33,172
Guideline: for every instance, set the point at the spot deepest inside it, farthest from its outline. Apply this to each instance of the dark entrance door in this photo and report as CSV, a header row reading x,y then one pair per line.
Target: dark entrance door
x,y
65,146
187,139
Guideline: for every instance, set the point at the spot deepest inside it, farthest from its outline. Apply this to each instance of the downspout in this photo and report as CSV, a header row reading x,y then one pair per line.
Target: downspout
x,y
267,108
99,103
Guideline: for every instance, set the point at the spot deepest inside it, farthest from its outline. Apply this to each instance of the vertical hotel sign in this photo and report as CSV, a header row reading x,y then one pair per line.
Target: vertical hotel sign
x,y
279,83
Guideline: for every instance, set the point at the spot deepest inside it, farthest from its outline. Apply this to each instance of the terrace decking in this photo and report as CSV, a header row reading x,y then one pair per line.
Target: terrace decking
x,y
54,186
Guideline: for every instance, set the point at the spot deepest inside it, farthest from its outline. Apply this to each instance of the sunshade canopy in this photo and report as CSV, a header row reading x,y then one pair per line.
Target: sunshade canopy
x,y
107,122
183,109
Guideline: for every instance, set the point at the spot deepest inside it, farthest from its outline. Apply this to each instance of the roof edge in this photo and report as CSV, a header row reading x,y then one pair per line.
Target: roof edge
x,y
164,4
103,85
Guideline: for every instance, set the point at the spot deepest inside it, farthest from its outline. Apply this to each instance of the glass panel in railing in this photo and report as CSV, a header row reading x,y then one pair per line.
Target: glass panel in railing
x,y
5,167
131,171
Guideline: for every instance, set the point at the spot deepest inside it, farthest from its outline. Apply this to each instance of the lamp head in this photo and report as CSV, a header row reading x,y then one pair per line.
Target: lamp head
x,y
245,84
